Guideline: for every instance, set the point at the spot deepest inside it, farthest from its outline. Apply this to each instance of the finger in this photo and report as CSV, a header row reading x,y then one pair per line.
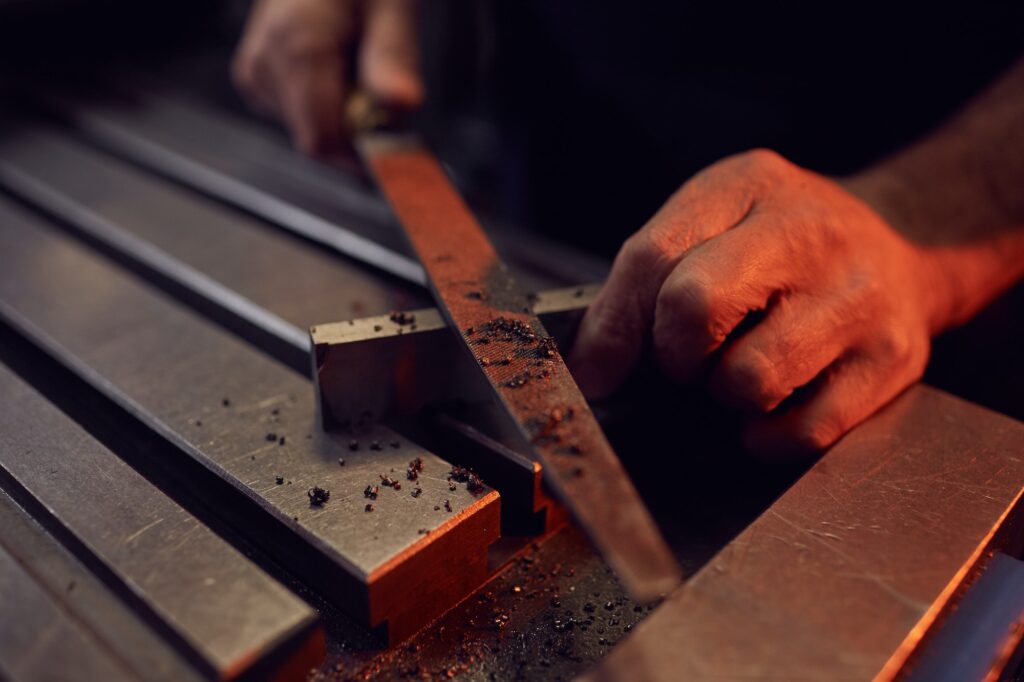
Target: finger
x,y
797,339
615,328
389,55
310,93
849,392
713,289
252,79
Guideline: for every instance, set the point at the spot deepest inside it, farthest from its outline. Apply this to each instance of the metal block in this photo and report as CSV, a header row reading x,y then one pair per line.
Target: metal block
x,y
221,611
174,372
378,366
390,369
847,573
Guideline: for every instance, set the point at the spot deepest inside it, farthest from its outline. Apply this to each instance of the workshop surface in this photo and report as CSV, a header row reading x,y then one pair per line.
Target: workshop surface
x,y
172,506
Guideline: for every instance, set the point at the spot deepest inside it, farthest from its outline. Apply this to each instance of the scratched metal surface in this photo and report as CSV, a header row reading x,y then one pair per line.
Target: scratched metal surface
x,y
302,284
175,370
227,613
41,581
475,291
45,643
844,573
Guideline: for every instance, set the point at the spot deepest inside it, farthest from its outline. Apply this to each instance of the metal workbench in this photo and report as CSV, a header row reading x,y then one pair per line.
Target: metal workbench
x,y
162,258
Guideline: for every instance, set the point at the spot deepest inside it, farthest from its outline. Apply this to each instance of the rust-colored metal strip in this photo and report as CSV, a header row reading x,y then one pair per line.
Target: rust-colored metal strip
x,y
478,297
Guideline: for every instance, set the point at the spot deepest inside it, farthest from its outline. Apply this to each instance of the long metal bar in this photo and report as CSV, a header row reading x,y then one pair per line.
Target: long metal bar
x,y
206,179
221,262
505,340
256,319
218,402
39,641
223,612
44,584
849,571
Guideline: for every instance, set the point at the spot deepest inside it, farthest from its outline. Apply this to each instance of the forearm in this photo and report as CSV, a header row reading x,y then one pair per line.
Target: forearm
x,y
959,195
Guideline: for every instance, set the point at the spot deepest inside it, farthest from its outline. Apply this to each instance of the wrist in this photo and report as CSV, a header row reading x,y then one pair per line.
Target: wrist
x,y
934,281
960,270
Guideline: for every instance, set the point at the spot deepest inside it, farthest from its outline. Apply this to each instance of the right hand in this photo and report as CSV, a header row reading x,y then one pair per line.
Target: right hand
x,y
294,62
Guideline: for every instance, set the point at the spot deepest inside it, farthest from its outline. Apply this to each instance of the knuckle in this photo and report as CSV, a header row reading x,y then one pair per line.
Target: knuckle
x,y
611,332
642,251
298,52
761,158
690,301
816,435
751,378
609,327
895,345
756,164
243,73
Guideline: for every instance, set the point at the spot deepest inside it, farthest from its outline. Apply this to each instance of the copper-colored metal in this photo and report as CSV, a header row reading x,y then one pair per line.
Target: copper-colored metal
x,y
847,573
476,293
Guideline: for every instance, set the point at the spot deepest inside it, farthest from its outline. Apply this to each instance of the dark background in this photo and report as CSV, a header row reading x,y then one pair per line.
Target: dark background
x,y
578,118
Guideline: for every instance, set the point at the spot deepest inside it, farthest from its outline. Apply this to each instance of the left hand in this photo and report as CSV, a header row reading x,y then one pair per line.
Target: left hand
x,y
848,303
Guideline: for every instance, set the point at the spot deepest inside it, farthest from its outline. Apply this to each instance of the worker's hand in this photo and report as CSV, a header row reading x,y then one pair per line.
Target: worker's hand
x,y
295,61
848,303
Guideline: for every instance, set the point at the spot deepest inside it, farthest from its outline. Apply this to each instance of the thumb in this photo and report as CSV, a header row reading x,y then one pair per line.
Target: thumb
x,y
389,54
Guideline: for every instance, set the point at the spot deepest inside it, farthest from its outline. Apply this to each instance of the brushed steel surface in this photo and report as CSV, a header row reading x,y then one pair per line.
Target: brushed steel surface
x,y
45,643
220,608
845,573
294,281
200,149
172,370
70,592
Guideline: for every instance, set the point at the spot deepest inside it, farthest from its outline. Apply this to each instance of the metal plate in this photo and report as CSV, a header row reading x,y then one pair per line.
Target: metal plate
x,y
476,293
225,614
173,371
846,572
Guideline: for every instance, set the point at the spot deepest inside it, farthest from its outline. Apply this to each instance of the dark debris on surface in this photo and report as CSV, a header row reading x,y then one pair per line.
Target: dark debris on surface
x,y
530,622
318,496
